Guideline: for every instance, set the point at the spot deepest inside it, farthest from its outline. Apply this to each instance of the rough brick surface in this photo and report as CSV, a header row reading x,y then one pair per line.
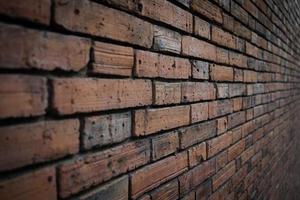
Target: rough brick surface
x,y
149,99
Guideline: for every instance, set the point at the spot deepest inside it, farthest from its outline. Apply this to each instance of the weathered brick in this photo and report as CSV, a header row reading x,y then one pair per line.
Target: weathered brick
x,y
166,40
169,13
239,12
189,196
36,11
235,150
149,64
39,184
223,175
199,112
237,90
96,19
196,176
22,95
92,169
238,75
222,125
223,38
237,60
27,144
197,133
197,154
164,145
251,50
218,144
222,55
222,90
197,48
221,73
236,119
196,91
219,108
237,104
250,76
112,59
247,154
149,121
72,95
204,190
113,190
168,191
106,129
200,69
207,9
28,48
201,28
166,93
157,173
221,159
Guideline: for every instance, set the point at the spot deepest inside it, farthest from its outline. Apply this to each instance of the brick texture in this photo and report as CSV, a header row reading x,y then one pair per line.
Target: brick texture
x,y
149,99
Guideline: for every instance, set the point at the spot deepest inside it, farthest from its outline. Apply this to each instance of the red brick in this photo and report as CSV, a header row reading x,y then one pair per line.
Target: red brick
x,y
197,154
189,196
235,150
219,108
93,169
236,119
166,40
28,48
237,104
196,91
238,75
27,144
72,95
157,173
250,76
198,48
223,175
112,59
200,69
197,175
164,145
169,13
201,28
247,154
238,12
106,129
237,60
222,125
221,160
223,38
37,11
204,190
39,184
168,191
237,90
149,64
251,50
218,144
166,93
113,190
199,112
222,55
149,121
221,73
197,133
22,96
207,9
95,19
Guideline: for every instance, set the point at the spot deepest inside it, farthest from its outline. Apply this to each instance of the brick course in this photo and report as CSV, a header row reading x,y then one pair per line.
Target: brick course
x,y
149,99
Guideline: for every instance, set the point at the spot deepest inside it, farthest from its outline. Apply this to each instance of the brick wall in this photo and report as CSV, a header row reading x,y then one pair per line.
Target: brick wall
x,y
149,99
